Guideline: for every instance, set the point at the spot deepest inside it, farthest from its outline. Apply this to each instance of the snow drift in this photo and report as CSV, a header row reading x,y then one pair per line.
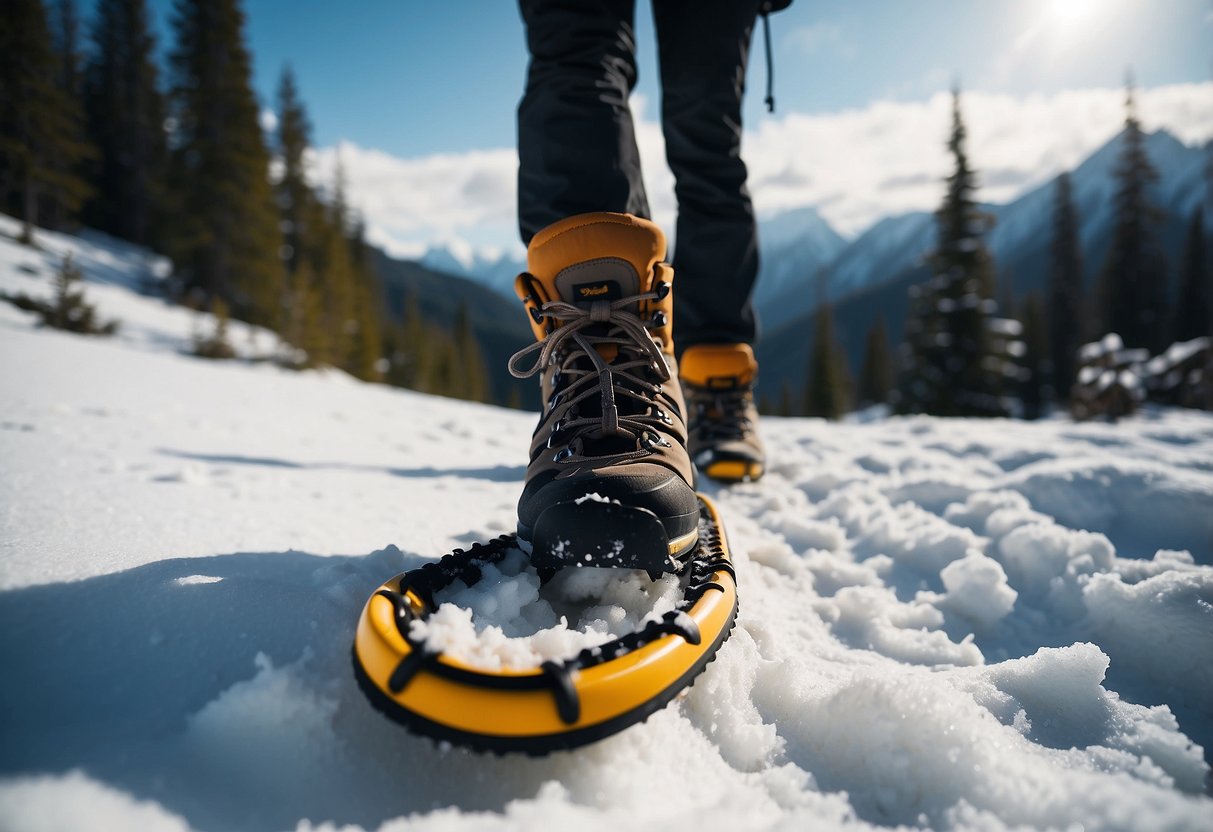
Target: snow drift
x,y
944,623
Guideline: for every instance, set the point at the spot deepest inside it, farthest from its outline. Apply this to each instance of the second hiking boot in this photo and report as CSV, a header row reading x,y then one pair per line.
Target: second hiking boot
x,y
609,482
718,382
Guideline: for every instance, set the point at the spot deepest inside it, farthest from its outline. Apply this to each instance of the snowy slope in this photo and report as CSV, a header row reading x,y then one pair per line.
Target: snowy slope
x,y
944,623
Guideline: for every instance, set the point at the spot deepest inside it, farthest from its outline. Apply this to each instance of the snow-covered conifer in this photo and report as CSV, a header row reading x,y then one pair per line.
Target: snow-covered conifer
x,y
950,364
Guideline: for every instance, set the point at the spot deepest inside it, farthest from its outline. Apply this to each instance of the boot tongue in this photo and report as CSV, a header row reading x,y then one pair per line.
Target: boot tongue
x,y
596,257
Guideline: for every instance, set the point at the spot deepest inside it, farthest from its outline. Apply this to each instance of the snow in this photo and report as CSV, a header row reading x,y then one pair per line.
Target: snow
x,y
951,624
507,620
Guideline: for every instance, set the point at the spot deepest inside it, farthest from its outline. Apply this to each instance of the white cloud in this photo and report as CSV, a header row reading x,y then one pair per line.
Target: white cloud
x,y
856,166
861,165
410,203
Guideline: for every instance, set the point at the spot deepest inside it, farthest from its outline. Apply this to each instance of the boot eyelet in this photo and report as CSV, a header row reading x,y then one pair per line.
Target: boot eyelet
x,y
652,440
658,320
536,316
663,289
562,454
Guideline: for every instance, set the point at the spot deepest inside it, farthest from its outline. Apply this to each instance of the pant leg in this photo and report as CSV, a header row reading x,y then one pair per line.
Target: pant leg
x,y
703,46
576,142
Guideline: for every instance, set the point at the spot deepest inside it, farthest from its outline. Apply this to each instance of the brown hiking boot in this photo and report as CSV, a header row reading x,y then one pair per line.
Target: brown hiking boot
x,y
718,382
609,481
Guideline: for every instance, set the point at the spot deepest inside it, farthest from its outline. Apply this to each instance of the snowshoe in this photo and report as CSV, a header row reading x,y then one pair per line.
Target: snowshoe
x,y
560,704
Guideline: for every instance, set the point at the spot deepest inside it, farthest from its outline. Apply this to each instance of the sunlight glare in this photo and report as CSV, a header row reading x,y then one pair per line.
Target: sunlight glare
x,y
1064,14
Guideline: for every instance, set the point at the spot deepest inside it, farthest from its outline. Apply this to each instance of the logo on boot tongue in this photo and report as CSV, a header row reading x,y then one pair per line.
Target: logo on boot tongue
x,y
597,290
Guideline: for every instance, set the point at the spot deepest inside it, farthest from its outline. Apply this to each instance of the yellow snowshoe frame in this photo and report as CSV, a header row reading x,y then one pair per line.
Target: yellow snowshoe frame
x,y
559,705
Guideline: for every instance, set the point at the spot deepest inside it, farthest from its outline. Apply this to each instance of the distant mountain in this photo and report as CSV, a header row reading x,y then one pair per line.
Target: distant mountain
x,y
500,324
880,250
868,276
1020,238
793,248
871,277
495,271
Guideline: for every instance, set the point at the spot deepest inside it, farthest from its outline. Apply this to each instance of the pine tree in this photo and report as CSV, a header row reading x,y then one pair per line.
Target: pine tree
x,y
336,269
125,120
40,139
217,345
415,351
950,367
441,361
1035,357
294,194
366,351
514,402
1193,310
419,359
1134,274
303,325
472,377
61,202
225,238
1067,328
69,310
876,374
786,407
828,389
332,291
67,46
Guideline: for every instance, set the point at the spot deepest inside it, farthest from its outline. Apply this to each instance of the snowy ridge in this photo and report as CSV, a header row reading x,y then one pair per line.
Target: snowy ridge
x,y
793,247
897,244
490,266
944,623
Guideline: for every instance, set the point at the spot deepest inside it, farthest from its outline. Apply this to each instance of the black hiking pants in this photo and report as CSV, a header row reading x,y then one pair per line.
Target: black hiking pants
x,y
577,145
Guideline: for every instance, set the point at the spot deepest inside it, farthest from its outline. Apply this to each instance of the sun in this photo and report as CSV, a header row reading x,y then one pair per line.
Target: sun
x,y
1065,14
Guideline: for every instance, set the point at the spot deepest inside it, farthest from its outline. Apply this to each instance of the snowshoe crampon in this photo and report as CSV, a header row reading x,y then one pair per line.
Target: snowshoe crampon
x,y
561,704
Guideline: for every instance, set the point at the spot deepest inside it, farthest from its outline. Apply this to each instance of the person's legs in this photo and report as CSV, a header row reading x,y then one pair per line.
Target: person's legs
x,y
703,47
576,143
609,481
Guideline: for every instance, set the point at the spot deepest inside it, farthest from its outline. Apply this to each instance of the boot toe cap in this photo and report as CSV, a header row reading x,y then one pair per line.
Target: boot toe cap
x,y
650,487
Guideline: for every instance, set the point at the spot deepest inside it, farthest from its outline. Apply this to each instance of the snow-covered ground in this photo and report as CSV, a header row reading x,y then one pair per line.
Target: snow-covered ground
x,y
944,623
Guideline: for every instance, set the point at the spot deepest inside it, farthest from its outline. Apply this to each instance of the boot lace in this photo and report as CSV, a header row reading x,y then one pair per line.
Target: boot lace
x,y
625,390
721,415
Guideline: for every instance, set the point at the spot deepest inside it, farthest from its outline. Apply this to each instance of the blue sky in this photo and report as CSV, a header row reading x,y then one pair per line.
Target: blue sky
x,y
417,77
420,98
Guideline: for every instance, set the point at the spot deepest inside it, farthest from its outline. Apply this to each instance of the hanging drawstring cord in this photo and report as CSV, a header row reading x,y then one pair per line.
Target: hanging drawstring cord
x,y
766,32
